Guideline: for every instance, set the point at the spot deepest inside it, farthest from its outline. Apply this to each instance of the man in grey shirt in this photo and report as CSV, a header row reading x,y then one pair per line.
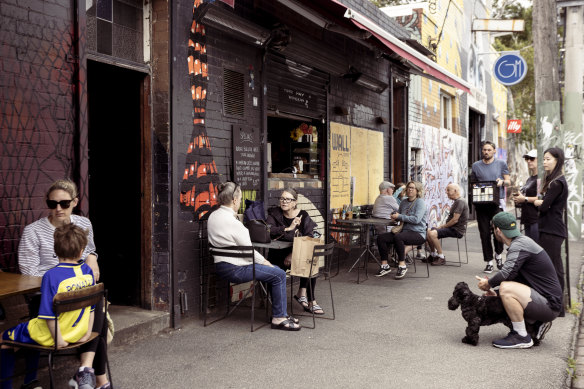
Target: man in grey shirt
x,y
385,203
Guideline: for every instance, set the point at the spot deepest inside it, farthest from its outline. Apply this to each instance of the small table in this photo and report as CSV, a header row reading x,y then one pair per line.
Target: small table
x,y
370,222
275,244
12,284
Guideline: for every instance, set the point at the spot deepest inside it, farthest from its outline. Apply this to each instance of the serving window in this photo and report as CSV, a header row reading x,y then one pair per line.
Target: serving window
x,y
295,148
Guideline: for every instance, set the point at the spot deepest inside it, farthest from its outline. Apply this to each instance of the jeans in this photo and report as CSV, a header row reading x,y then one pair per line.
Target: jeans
x,y
400,240
532,231
485,214
273,276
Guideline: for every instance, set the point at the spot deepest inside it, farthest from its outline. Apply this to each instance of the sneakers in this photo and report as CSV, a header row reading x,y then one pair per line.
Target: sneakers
x,y
438,261
83,379
429,259
542,330
409,259
34,384
385,269
106,386
488,269
499,260
514,340
401,272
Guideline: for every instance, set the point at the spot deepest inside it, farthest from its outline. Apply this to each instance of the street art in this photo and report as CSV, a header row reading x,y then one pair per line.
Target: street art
x,y
198,191
38,130
444,161
413,23
575,197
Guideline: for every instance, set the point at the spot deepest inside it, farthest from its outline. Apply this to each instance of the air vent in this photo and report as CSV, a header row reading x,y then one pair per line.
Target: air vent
x,y
233,95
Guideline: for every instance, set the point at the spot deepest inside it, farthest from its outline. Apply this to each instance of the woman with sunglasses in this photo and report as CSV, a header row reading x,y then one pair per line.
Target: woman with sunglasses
x,y
287,221
36,255
552,228
528,209
225,230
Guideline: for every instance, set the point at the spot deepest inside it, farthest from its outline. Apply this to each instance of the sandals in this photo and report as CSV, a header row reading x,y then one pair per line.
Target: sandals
x,y
316,309
302,301
287,325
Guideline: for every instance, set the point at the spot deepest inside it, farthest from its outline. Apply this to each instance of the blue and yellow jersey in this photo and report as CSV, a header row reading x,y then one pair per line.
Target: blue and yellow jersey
x,y
64,277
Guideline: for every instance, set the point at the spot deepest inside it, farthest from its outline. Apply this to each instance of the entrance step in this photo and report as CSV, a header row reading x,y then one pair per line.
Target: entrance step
x,y
133,324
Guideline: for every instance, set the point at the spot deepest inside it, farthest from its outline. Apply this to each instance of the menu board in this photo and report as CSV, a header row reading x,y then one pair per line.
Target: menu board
x,y
340,164
247,156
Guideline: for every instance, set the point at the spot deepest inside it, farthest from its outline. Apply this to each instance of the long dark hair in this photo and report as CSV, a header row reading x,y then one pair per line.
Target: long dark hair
x,y
558,171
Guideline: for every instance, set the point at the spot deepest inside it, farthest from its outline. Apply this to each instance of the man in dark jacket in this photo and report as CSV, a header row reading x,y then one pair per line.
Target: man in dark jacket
x,y
528,284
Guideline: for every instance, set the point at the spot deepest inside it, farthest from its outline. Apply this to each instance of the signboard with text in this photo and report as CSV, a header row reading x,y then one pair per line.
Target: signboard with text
x,y
514,126
247,171
510,69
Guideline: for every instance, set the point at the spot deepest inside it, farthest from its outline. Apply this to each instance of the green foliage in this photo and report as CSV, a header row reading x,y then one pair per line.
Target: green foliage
x,y
523,94
571,369
575,308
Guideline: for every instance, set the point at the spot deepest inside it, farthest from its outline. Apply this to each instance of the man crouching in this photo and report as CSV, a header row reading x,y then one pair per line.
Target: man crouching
x,y
537,298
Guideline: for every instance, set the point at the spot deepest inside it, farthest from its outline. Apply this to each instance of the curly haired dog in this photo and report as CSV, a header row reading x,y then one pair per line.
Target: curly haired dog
x,y
481,311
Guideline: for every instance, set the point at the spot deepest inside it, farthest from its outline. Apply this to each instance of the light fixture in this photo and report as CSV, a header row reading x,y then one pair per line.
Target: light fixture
x,y
215,15
306,12
365,81
341,111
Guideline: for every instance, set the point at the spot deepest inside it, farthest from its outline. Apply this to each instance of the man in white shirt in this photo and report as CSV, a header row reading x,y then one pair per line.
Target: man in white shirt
x,y
385,203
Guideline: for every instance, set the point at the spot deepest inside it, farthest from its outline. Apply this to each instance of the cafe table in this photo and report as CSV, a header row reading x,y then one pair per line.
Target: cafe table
x,y
371,222
12,284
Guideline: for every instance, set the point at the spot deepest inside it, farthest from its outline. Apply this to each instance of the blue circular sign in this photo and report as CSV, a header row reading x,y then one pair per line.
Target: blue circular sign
x,y
510,69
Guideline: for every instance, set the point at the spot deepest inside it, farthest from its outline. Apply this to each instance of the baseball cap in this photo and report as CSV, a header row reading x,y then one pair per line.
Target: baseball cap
x,y
386,184
507,223
531,154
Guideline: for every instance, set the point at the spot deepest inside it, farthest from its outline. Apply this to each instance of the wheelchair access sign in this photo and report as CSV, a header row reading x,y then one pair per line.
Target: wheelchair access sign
x,y
510,69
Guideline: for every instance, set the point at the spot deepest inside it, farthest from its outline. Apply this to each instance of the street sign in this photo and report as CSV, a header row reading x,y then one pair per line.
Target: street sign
x,y
510,69
514,126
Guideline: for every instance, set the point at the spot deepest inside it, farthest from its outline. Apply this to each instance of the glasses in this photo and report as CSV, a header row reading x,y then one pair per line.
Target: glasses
x,y
286,200
52,204
530,158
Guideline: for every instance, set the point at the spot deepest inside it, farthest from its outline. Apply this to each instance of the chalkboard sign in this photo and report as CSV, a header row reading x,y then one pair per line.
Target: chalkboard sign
x,y
246,157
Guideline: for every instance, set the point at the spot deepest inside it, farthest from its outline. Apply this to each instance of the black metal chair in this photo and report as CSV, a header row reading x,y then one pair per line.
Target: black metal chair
x,y
459,263
67,302
321,251
413,260
236,252
347,237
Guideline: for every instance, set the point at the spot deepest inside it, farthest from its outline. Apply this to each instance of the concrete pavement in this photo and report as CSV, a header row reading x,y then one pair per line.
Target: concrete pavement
x,y
387,333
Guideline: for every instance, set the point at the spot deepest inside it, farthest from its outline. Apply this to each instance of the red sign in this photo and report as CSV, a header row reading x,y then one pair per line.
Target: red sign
x,y
514,126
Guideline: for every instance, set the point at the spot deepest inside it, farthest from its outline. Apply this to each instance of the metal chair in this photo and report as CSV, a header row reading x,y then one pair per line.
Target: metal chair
x,y
347,236
67,302
325,251
459,263
235,252
413,262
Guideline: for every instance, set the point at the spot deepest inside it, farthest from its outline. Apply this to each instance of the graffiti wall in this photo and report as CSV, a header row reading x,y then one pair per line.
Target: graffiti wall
x,y
444,161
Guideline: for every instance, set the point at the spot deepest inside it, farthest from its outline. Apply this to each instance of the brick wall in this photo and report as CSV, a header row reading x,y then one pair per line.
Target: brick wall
x,y
37,118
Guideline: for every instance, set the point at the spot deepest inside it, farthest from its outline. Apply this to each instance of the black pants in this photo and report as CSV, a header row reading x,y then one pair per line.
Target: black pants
x,y
276,258
485,215
98,345
552,244
400,241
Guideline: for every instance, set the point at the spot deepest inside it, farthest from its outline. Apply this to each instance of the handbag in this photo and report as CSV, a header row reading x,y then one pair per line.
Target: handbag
x,y
302,256
397,229
259,231
254,210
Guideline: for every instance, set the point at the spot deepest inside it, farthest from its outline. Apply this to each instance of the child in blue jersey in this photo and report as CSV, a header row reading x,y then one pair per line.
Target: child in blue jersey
x,y
72,327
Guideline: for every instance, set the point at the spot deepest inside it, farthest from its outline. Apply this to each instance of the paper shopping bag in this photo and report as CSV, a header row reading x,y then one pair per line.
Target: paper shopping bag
x,y
302,256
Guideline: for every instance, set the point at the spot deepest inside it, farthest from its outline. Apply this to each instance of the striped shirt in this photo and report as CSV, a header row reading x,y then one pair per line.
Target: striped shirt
x,y
36,252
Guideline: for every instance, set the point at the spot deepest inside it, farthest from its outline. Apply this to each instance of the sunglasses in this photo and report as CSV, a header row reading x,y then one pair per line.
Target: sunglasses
x,y
52,204
529,158
286,200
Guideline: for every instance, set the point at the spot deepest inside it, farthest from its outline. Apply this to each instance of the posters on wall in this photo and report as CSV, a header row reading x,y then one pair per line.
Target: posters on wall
x,y
356,165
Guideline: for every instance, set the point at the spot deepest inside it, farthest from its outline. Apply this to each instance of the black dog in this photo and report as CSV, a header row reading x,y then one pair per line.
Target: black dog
x,y
481,311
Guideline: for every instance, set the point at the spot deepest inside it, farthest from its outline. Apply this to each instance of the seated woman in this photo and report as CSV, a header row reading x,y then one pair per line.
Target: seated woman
x,y
412,213
286,221
224,230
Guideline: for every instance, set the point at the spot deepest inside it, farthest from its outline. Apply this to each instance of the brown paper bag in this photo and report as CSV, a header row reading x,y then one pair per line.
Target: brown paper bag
x,y
302,256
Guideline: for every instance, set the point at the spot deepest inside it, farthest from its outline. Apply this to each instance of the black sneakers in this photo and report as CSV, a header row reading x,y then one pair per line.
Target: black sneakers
x,y
542,330
499,260
385,269
488,269
514,340
401,272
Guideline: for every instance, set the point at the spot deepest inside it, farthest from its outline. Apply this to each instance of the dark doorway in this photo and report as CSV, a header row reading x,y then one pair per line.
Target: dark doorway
x,y
399,154
476,122
115,177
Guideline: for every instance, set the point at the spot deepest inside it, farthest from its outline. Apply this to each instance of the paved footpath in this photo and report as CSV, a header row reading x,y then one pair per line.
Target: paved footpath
x,y
387,333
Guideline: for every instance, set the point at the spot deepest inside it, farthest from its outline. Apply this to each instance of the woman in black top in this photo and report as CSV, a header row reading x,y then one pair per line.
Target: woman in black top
x,y
287,221
552,229
529,212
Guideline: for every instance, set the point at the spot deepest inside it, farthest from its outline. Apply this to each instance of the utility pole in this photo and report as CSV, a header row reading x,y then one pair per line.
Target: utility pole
x,y
573,131
547,80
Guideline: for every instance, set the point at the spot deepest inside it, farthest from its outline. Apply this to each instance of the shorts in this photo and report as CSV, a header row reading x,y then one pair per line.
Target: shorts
x,y
19,334
539,309
448,232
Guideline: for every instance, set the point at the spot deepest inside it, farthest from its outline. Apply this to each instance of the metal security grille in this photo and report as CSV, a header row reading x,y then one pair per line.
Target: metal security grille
x,y
233,93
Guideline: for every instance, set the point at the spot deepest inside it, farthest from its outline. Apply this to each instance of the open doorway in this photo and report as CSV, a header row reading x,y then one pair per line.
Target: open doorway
x,y
115,177
476,123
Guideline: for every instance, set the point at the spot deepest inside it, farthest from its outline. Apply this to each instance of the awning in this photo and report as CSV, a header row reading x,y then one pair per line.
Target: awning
x,y
344,17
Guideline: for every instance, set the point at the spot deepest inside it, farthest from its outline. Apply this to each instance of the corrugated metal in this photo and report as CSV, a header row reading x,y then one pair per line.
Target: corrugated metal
x,y
286,74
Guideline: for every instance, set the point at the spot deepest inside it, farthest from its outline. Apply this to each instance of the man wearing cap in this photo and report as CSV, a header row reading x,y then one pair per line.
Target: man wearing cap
x,y
490,169
528,284
529,212
385,203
